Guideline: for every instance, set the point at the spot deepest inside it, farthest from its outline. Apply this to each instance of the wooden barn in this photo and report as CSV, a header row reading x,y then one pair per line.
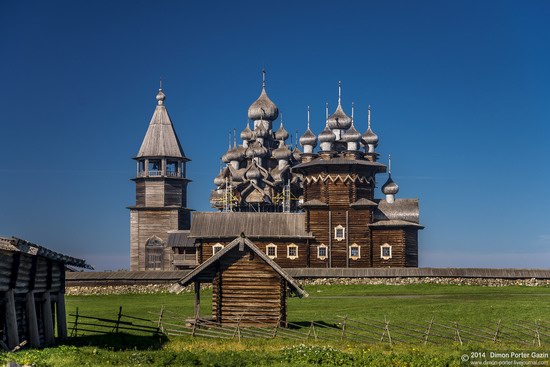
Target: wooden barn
x,y
32,289
248,287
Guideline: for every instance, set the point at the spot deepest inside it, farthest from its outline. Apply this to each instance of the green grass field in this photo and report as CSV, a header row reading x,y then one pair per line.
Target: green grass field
x,y
468,305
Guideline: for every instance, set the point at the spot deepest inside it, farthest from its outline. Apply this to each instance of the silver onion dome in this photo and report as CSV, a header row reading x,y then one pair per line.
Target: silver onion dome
x,y
327,136
160,97
263,108
247,134
218,181
259,150
390,187
253,172
234,154
352,135
260,132
282,152
339,119
281,133
369,137
308,138
296,153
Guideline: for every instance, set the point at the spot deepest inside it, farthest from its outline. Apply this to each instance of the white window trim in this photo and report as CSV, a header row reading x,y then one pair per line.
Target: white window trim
x,y
217,245
292,245
343,232
358,252
326,251
271,245
386,245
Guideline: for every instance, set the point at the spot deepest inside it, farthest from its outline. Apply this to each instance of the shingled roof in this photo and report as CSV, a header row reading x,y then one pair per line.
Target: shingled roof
x,y
255,225
161,139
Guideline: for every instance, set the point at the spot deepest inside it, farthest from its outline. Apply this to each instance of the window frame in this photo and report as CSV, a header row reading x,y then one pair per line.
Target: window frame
x,y
355,246
217,248
271,246
325,247
338,228
382,248
154,254
294,246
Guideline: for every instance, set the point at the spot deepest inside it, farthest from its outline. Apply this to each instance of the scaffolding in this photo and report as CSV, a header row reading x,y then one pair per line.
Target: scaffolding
x,y
285,197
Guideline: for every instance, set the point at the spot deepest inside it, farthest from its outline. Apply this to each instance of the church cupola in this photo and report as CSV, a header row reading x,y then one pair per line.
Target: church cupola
x,y
390,188
370,139
281,134
339,120
352,137
263,108
308,140
246,135
326,137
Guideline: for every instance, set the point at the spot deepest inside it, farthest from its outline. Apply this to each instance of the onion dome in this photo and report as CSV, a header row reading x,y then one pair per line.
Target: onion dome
x,y
234,154
369,137
352,135
258,150
253,172
263,108
339,119
281,133
327,136
309,137
249,153
247,134
218,181
282,152
390,187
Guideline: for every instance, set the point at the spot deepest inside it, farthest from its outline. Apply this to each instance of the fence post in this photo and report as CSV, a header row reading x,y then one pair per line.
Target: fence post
x,y
495,339
537,334
458,333
238,328
115,329
386,330
276,327
344,327
74,331
159,324
428,331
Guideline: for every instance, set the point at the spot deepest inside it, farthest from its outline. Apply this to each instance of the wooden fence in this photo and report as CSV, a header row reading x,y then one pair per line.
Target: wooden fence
x,y
85,325
528,333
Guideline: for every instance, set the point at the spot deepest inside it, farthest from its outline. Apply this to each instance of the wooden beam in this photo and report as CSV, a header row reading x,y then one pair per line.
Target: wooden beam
x,y
32,321
197,299
47,316
11,320
61,316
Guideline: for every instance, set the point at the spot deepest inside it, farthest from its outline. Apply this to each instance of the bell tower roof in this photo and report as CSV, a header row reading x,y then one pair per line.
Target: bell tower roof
x,y
161,139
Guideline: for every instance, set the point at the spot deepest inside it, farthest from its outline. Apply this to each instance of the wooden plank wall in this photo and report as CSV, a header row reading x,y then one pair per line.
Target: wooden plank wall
x,y
249,286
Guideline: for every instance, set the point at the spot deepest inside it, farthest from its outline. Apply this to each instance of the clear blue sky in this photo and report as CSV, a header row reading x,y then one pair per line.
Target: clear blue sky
x,y
460,92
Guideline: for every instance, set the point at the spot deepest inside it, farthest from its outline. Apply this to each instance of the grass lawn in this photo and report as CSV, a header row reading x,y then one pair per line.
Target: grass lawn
x,y
468,305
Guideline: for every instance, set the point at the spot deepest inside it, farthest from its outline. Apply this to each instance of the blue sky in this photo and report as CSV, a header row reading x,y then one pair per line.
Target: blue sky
x,y
460,94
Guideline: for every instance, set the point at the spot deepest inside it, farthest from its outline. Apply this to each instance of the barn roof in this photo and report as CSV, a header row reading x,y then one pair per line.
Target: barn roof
x,y
18,245
206,272
255,225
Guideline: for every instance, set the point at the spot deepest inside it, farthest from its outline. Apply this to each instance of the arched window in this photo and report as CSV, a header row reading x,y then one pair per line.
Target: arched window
x,y
355,252
217,248
271,251
385,251
292,251
154,251
322,251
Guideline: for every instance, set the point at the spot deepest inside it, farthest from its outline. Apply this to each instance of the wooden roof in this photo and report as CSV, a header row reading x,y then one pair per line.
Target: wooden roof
x,y
400,209
18,245
206,271
255,225
161,139
180,239
339,161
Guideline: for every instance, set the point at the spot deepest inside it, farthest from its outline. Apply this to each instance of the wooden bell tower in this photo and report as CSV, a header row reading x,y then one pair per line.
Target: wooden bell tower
x,y
161,193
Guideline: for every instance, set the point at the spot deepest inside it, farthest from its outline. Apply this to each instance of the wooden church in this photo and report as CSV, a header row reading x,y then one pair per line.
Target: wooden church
x,y
301,208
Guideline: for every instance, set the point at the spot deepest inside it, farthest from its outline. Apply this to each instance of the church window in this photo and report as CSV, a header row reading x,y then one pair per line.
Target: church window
x,y
292,251
385,251
339,233
217,248
154,250
322,252
271,251
355,252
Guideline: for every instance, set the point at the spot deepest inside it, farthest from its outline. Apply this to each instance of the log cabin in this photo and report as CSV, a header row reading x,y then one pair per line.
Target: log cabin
x,y
248,288
32,287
